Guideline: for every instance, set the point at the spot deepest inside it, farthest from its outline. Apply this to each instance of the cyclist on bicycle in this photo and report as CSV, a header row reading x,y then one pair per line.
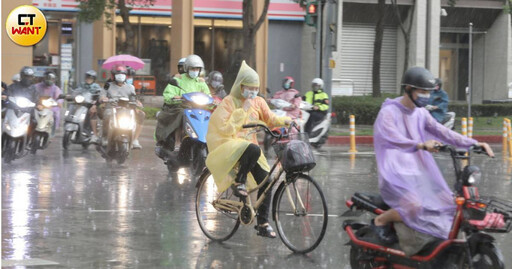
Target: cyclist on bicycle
x,y
226,137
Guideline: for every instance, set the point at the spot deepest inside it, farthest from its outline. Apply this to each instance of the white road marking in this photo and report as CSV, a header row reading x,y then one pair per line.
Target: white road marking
x,y
28,262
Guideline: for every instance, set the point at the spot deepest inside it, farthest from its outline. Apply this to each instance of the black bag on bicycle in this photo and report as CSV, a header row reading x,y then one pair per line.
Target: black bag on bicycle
x,y
297,156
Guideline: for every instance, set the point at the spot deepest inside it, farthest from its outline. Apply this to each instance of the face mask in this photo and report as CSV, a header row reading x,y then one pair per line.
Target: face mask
x,y
120,77
89,81
215,84
26,81
129,81
422,99
193,74
49,82
248,94
287,85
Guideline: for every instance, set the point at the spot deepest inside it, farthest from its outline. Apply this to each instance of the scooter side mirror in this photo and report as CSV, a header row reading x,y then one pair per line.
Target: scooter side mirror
x,y
61,96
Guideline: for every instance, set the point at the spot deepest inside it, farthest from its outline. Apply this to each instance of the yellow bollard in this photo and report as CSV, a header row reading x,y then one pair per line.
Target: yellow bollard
x,y
505,135
352,134
464,127
470,127
509,130
352,161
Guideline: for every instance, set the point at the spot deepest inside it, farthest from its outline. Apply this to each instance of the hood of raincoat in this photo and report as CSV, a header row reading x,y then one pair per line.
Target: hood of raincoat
x,y
397,102
246,76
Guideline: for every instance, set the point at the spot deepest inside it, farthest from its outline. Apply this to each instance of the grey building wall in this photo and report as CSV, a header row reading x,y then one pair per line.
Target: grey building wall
x,y
284,53
498,61
479,68
308,58
85,47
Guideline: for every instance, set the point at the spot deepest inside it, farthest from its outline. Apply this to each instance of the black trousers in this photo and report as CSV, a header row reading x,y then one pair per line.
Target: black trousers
x,y
249,163
315,117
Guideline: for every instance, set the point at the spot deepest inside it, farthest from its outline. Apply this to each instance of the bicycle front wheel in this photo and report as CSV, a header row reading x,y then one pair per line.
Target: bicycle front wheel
x,y
217,224
300,212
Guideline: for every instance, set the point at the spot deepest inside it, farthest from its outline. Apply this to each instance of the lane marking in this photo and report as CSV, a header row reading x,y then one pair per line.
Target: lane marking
x,y
113,210
28,262
29,210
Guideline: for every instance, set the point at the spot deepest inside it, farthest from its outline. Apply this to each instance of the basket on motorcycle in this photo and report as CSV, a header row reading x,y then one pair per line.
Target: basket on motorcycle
x,y
295,153
491,214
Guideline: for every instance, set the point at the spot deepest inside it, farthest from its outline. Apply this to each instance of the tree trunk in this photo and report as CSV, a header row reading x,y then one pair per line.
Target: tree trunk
x,y
250,28
377,48
405,32
129,43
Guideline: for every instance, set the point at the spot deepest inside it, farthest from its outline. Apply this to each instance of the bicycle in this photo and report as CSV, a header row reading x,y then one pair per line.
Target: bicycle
x,y
299,208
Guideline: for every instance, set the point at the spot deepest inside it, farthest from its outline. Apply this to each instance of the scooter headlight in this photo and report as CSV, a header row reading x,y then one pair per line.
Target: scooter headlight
x,y
126,123
48,103
24,103
471,175
79,99
200,99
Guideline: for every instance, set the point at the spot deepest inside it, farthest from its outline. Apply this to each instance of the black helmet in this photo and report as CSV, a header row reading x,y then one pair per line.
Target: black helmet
x,y
49,78
26,75
419,78
439,83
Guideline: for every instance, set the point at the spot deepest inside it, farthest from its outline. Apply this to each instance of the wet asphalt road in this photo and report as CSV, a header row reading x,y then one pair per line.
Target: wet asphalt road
x,y
72,210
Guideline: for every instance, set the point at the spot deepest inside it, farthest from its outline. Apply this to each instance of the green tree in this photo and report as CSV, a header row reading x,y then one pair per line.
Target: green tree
x,y
250,28
92,10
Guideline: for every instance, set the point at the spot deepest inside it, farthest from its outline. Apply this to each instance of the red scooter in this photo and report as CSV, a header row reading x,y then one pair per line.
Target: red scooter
x,y
469,245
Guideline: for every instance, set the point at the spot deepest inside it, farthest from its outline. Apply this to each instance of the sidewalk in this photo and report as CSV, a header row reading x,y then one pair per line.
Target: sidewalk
x,y
366,139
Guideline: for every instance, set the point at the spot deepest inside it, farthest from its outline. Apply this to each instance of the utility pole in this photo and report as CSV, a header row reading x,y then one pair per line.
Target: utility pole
x,y
470,56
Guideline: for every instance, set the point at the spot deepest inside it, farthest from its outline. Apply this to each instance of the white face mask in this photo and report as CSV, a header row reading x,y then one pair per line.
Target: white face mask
x,y
248,94
120,77
215,84
193,74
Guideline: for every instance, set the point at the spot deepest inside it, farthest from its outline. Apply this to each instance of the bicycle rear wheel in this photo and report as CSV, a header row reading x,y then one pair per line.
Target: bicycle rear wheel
x,y
300,212
218,225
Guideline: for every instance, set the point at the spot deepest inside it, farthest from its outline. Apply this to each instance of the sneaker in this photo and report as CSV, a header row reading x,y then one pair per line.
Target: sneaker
x,y
94,139
136,144
384,233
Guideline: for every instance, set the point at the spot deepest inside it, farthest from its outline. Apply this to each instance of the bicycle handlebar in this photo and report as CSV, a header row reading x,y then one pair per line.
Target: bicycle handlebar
x,y
265,128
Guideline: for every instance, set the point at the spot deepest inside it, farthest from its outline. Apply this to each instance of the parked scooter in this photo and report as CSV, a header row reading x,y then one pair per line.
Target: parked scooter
x,y
44,124
320,132
469,245
196,116
120,132
77,128
448,120
15,126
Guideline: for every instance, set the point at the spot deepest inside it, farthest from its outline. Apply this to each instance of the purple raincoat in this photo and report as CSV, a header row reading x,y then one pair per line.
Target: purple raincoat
x,y
54,92
409,180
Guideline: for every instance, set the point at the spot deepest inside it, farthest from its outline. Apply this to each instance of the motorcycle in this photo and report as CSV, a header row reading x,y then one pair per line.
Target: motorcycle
x,y
320,131
15,127
196,116
469,245
77,128
279,106
44,124
121,131
448,120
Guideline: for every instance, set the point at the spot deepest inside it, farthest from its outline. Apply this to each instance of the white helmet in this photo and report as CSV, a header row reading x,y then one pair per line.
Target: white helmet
x,y
16,77
193,61
319,82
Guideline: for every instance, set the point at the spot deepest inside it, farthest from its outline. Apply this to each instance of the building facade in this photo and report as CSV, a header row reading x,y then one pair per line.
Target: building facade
x,y
439,41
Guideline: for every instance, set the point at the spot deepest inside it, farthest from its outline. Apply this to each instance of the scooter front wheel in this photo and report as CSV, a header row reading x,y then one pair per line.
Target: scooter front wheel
x,y
9,152
36,143
199,159
485,256
66,140
123,152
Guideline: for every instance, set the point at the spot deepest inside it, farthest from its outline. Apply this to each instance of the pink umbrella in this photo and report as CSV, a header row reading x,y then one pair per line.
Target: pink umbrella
x,y
123,59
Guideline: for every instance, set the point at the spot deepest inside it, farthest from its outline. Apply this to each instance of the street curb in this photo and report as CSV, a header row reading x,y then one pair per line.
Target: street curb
x,y
367,139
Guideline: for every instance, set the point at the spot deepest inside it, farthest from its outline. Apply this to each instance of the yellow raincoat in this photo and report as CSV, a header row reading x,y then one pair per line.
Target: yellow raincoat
x,y
227,140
